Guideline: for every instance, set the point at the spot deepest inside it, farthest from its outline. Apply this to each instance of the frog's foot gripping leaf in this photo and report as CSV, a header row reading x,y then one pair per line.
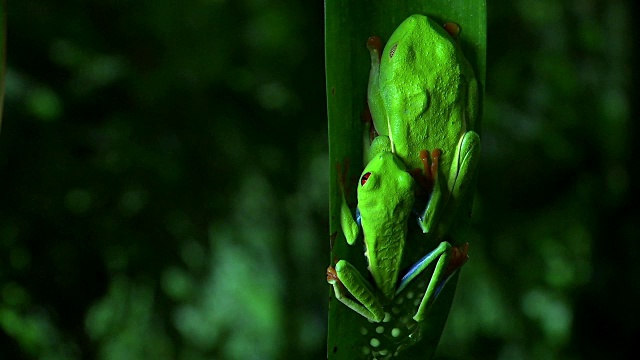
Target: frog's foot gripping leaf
x,y
353,290
450,259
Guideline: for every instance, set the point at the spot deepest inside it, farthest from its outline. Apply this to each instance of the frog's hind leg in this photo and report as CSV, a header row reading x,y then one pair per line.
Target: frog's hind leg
x,y
465,164
352,289
450,259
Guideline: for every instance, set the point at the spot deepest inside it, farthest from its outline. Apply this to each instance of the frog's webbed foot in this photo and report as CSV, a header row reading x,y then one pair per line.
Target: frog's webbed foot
x,y
353,290
332,276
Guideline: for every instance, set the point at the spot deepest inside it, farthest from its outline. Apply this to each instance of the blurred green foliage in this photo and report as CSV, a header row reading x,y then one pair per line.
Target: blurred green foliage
x,y
163,168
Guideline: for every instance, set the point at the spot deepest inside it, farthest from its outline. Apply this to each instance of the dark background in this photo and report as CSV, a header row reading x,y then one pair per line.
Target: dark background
x,y
164,183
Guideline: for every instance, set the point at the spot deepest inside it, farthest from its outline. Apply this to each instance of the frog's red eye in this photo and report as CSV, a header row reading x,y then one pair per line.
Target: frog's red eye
x,y
364,178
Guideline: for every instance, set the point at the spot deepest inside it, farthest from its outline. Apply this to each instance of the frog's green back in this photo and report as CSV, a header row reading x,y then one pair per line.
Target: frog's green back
x,y
429,91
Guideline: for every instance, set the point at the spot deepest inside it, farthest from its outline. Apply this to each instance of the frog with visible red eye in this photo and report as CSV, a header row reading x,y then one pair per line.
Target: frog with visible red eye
x,y
423,97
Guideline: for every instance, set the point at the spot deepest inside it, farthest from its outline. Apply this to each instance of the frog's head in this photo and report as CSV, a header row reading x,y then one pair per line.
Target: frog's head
x,y
421,72
385,199
419,49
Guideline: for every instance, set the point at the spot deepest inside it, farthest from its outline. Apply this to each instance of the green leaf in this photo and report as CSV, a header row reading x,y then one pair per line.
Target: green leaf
x,y
348,25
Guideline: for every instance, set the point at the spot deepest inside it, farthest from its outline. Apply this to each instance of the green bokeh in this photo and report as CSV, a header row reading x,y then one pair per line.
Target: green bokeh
x,y
163,168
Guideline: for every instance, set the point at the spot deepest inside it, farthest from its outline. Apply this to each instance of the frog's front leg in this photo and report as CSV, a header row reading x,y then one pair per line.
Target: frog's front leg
x,y
374,94
353,290
445,195
428,180
350,226
450,259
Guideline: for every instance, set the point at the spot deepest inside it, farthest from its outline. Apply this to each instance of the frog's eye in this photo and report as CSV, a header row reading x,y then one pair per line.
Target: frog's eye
x,y
364,178
392,51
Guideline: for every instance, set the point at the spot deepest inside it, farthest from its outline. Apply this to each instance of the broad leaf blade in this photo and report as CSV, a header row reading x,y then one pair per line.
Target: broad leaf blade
x,y
348,24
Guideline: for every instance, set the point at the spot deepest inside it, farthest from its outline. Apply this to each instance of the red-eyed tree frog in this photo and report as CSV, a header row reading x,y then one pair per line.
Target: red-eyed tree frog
x,y
423,98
